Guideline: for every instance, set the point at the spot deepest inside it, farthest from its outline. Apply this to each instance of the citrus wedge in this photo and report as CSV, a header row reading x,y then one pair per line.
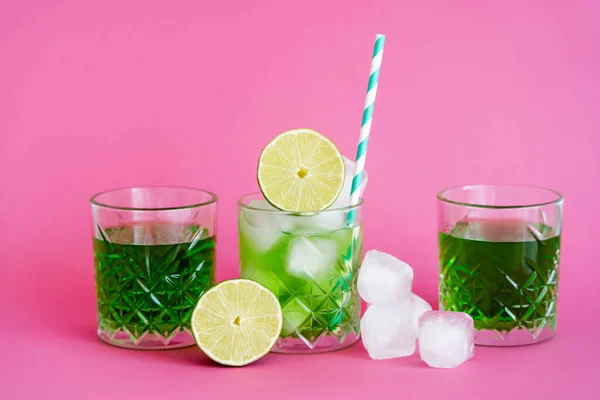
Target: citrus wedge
x,y
237,322
301,170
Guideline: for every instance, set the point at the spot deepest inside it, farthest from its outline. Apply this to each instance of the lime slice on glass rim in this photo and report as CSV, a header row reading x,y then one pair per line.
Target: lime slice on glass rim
x,y
301,171
237,322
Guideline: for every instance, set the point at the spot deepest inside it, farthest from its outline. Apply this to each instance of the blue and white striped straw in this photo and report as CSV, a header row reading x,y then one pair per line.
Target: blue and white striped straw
x,y
365,130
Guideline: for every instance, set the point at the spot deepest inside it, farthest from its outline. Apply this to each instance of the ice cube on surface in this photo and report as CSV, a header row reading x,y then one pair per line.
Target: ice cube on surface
x,y
311,256
387,331
344,199
418,307
259,227
384,279
446,338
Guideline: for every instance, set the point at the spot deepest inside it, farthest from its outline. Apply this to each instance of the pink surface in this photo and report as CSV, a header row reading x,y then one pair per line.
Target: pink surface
x,y
97,95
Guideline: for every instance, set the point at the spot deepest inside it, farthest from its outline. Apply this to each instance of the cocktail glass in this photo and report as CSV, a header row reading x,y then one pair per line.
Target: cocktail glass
x,y
310,261
499,249
154,251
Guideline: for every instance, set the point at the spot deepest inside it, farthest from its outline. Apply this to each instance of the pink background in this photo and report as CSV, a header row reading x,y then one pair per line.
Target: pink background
x,y
98,95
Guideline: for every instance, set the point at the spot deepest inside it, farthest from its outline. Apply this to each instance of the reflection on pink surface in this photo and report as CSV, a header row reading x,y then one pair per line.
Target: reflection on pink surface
x,y
99,95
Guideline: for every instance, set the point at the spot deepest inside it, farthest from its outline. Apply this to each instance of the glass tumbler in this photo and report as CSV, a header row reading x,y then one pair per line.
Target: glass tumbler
x,y
499,250
154,253
310,261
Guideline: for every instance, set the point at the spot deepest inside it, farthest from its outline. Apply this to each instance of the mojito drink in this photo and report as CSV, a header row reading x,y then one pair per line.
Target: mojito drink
x,y
310,262
301,237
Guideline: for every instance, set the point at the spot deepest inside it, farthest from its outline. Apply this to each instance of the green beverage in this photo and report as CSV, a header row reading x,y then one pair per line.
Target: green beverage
x,y
151,288
311,268
302,239
504,274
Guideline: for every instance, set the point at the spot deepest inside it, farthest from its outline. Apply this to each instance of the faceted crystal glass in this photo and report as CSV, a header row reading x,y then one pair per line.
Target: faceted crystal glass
x,y
154,253
310,261
499,251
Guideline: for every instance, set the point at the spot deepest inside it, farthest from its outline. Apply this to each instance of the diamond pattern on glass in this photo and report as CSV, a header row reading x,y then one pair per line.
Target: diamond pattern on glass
x,y
151,289
500,296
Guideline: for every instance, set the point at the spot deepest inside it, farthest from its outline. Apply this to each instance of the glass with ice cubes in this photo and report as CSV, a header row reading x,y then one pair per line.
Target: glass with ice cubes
x,y
310,261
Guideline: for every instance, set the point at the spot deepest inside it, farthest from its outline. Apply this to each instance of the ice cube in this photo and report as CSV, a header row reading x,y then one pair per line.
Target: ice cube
x,y
344,199
446,338
384,279
418,307
387,331
323,222
312,257
259,227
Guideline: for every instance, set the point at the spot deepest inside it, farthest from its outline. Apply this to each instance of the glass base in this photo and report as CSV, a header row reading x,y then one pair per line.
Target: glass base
x,y
325,344
147,341
516,337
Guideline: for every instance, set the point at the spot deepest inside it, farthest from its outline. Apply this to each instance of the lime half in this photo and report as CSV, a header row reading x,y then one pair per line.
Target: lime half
x,y
301,170
237,322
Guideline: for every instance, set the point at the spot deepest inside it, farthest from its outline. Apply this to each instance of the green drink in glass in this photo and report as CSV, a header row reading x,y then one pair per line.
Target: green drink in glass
x,y
154,252
310,262
302,239
499,249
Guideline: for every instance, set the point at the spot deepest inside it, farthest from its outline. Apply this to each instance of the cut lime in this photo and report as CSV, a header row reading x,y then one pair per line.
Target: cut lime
x,y
301,170
237,322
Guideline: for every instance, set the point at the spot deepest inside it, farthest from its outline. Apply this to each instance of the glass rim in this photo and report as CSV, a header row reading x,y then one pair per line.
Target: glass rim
x,y
241,199
441,197
213,199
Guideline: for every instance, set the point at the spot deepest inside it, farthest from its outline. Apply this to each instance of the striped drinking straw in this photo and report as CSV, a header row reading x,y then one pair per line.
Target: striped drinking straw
x,y
365,130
